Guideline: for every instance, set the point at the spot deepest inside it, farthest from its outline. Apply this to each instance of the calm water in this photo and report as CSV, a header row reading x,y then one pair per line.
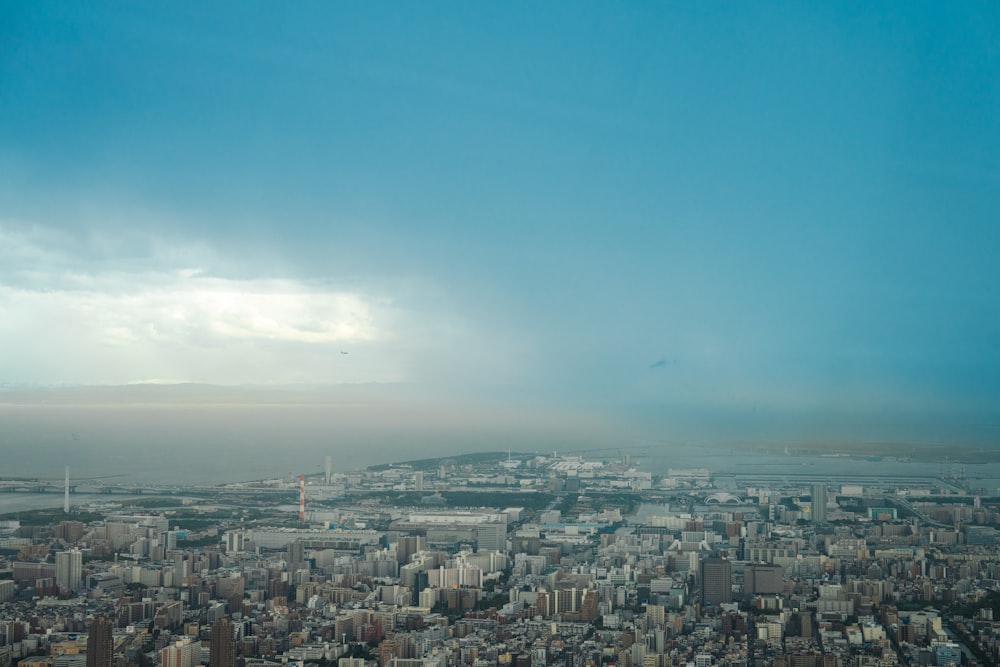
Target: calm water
x,y
23,502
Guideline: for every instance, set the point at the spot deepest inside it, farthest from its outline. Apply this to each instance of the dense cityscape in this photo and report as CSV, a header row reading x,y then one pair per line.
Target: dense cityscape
x,y
499,334
507,560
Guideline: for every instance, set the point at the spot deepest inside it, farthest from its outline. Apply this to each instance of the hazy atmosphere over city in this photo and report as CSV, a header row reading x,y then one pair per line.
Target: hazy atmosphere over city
x,y
365,228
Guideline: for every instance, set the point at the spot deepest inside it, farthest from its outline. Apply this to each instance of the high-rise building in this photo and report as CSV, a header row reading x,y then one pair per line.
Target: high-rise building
x,y
168,539
222,650
184,652
819,503
716,581
296,555
68,531
235,541
100,645
407,546
491,536
8,589
69,570
231,590
805,624
947,653
763,579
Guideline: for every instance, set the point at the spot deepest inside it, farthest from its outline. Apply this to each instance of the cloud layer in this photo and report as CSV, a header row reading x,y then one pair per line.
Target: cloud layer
x,y
67,313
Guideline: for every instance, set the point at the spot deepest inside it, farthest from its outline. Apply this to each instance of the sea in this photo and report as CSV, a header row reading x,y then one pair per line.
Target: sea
x,y
11,503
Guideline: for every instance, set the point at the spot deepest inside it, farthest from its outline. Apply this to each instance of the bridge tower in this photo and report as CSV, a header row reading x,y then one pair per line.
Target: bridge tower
x,y
302,498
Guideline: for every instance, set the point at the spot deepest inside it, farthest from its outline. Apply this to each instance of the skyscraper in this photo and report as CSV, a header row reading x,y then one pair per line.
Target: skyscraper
x,y
69,570
100,646
296,555
819,503
222,651
184,652
234,541
716,581
762,579
407,546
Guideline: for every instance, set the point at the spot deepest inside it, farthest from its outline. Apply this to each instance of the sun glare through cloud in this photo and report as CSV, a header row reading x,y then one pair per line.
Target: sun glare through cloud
x,y
142,315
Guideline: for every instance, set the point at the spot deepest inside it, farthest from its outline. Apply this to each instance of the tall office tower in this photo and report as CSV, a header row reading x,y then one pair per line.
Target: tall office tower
x,y
296,555
819,503
762,579
716,581
805,624
100,645
235,541
418,481
491,536
222,650
7,593
231,590
69,570
407,546
184,652
168,539
329,469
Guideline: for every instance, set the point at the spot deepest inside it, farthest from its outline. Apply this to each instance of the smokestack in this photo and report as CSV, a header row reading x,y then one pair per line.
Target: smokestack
x,y
302,497
66,493
329,466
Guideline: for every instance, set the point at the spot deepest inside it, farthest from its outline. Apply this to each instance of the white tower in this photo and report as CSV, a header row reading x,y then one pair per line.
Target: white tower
x,y
302,498
66,493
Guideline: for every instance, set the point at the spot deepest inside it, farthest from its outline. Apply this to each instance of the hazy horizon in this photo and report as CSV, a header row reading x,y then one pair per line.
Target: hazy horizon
x,y
291,427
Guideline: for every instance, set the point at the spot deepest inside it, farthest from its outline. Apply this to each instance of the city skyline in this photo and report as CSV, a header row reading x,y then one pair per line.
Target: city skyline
x,y
682,221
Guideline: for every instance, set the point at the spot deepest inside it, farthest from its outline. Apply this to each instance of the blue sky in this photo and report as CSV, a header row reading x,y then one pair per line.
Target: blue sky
x,y
670,208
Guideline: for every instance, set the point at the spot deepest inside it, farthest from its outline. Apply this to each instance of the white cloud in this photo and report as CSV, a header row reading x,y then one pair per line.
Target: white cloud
x,y
86,307
181,309
124,307
66,316
148,324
